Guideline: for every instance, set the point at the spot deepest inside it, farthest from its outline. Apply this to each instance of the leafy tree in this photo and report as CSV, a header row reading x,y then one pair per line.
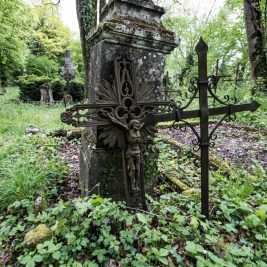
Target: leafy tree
x,y
229,45
77,58
15,21
42,66
50,36
86,14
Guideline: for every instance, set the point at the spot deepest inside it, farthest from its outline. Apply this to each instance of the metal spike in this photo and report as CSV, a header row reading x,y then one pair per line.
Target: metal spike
x,y
201,46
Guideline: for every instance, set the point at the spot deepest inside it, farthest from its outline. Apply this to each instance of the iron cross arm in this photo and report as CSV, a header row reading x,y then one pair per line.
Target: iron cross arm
x,y
180,114
87,115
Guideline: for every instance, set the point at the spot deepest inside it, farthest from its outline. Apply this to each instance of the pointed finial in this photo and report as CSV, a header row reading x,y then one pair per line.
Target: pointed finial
x,y
254,106
201,46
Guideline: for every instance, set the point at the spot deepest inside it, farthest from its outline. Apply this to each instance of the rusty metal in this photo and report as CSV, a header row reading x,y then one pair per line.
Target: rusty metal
x,y
205,139
122,103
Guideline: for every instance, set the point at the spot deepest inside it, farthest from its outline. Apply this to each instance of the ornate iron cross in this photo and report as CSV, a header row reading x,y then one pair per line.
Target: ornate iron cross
x,y
126,113
203,89
120,112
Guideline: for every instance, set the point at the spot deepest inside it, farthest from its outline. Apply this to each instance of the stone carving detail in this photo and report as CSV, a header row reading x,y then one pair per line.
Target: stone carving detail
x,y
132,150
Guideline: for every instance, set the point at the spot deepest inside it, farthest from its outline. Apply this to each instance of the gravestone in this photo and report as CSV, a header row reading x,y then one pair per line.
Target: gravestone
x,y
46,94
68,73
127,30
125,112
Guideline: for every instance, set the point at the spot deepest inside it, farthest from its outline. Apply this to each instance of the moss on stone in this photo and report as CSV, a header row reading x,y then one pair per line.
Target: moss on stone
x,y
192,192
38,235
179,183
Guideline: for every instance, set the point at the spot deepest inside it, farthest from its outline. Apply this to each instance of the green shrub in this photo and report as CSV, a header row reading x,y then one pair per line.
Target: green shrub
x,y
29,167
30,88
76,89
42,66
58,86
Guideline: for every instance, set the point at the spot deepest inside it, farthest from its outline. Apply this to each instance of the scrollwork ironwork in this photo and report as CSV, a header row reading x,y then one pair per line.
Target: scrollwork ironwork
x,y
183,128
193,89
212,86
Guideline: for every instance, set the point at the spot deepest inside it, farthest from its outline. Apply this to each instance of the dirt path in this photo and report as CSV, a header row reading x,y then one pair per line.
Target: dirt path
x,y
70,153
236,144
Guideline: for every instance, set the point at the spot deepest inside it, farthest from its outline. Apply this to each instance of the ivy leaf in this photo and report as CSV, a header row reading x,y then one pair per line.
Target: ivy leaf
x,y
141,218
194,222
56,255
252,221
193,247
38,258
82,207
97,201
100,254
163,252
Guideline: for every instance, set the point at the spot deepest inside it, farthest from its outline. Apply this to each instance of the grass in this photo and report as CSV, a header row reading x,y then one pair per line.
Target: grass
x,y
29,165
15,116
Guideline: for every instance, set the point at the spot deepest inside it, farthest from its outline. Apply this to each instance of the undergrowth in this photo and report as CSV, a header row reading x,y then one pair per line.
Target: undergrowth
x,y
172,232
30,167
98,232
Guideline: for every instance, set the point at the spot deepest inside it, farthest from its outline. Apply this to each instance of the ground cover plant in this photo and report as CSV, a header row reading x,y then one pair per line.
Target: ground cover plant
x,y
99,232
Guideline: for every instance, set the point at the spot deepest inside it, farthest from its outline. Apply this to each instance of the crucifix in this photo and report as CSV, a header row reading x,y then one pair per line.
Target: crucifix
x,y
120,112
127,115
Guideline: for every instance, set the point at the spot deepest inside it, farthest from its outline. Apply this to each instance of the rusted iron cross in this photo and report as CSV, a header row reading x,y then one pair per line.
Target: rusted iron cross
x,y
126,112
202,88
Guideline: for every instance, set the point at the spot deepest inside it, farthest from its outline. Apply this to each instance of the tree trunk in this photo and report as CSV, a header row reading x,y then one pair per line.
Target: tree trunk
x,y
255,37
86,14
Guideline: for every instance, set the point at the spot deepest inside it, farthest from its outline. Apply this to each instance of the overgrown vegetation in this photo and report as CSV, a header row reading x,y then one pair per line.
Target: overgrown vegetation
x,y
30,88
16,117
30,167
98,232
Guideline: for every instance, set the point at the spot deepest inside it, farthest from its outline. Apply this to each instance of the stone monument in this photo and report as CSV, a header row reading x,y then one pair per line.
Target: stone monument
x,y
129,33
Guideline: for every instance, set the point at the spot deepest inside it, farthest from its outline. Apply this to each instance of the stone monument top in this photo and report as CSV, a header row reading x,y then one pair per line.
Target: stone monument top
x,y
133,22
128,10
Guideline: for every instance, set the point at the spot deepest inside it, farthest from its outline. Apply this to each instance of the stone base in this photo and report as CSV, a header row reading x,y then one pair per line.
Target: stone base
x,y
101,172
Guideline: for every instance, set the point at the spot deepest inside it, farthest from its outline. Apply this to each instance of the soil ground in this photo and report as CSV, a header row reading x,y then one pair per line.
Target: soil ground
x,y
238,145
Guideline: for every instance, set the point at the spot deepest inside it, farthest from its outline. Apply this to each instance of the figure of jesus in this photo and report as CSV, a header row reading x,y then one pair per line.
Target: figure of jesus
x,y
132,132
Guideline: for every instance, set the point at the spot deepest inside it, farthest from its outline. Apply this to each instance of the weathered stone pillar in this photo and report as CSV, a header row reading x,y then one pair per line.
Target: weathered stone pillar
x,y
132,28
